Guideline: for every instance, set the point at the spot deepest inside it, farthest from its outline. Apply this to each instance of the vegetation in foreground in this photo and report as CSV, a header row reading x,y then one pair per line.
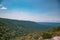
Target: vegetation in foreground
x,y
12,31
41,35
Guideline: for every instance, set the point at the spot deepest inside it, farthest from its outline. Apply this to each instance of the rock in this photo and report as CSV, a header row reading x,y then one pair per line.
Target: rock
x,y
56,38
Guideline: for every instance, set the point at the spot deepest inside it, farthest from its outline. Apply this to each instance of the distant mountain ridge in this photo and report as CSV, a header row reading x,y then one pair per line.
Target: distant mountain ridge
x,y
32,26
51,24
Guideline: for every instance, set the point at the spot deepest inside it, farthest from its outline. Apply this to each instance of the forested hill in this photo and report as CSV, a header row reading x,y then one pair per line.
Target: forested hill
x,y
32,26
17,29
14,28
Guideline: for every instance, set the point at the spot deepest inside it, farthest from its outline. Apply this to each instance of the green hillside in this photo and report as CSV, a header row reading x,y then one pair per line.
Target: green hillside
x,y
14,28
25,24
24,30
41,35
9,30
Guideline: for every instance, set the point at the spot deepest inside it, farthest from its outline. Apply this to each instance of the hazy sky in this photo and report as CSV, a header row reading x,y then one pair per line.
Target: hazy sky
x,y
32,10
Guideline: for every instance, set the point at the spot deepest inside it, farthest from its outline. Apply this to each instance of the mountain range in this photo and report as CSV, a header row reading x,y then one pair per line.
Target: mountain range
x,y
10,28
29,25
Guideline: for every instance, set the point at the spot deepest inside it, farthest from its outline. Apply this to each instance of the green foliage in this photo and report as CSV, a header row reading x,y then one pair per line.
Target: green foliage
x,y
47,35
21,30
9,31
56,28
42,35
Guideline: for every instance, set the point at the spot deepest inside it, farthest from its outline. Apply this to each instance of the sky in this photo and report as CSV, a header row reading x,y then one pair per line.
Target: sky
x,y
31,10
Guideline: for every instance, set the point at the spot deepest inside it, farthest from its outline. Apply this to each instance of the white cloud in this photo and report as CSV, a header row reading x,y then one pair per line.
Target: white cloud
x,y
3,8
